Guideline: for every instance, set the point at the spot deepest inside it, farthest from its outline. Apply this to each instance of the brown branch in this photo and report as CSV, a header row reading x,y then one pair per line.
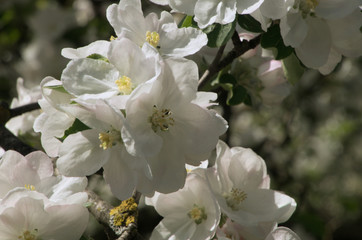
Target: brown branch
x,y
217,65
119,222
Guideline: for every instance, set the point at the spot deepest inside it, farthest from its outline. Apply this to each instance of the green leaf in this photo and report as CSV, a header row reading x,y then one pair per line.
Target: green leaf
x,y
186,22
273,39
218,34
237,95
227,79
97,56
58,88
249,23
76,127
292,68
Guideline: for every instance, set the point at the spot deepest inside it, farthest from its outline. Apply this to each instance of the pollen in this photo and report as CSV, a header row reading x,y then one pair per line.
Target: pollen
x,y
307,7
27,235
153,38
112,38
234,198
161,119
124,85
197,214
29,187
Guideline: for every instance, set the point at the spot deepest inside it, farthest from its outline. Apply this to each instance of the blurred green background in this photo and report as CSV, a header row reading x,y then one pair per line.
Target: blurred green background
x,y
311,142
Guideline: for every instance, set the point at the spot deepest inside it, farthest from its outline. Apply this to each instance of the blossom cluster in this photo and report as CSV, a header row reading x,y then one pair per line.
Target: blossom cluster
x,y
136,100
130,109
35,204
232,199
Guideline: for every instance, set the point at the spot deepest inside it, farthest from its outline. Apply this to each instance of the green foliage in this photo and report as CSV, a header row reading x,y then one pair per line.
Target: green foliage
x,y
58,88
188,21
218,34
97,56
249,23
76,127
273,39
236,93
292,68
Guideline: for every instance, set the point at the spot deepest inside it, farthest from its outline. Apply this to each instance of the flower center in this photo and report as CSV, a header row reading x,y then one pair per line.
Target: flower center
x,y
109,139
307,7
27,235
124,85
152,38
234,198
161,119
197,214
30,187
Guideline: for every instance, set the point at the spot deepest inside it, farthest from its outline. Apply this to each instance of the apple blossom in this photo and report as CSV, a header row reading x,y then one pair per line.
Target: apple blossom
x,y
164,125
207,12
190,213
30,215
241,186
35,172
162,33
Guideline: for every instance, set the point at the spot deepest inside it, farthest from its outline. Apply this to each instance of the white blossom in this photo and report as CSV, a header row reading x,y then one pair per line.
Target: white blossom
x,y
190,213
241,186
162,33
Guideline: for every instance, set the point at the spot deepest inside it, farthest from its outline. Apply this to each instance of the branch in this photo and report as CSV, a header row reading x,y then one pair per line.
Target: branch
x,y
8,141
24,109
217,65
119,222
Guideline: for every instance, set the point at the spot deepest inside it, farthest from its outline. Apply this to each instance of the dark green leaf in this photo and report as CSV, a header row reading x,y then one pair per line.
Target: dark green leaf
x,y
249,23
97,56
237,95
218,34
273,39
292,68
76,127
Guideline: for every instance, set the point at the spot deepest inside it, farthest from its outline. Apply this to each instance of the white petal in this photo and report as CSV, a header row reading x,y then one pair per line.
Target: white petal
x,y
293,29
334,9
99,47
315,48
248,6
89,76
80,154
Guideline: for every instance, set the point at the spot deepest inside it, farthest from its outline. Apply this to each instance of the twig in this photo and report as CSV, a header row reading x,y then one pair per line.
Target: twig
x,y
239,49
100,210
23,109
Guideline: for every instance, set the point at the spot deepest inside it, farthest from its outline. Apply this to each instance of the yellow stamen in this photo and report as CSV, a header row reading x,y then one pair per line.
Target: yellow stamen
x,y
27,235
124,85
234,198
197,214
106,140
307,7
112,38
161,119
152,38
30,187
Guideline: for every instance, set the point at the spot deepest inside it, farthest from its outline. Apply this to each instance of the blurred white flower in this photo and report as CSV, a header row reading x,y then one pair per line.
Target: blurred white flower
x,y
23,124
207,12
190,213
